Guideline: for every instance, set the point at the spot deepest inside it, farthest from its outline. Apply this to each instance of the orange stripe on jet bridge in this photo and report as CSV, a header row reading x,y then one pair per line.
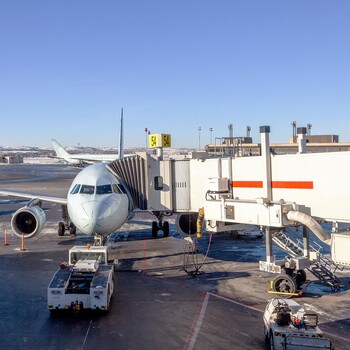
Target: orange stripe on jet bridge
x,y
305,185
250,184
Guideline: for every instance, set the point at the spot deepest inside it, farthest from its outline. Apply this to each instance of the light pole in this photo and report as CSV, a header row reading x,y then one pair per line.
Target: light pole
x,y
211,134
146,130
199,137
294,126
309,126
230,132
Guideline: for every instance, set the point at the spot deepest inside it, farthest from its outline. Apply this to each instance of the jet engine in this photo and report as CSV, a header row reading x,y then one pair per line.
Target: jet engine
x,y
28,220
187,223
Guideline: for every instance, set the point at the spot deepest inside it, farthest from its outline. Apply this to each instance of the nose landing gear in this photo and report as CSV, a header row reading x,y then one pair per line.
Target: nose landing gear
x,y
66,224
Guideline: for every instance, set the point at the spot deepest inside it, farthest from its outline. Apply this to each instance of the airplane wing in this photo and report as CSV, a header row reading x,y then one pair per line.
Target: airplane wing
x,y
43,197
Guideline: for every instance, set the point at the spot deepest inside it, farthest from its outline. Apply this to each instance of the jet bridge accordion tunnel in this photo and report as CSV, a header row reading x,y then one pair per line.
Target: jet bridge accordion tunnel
x,y
159,186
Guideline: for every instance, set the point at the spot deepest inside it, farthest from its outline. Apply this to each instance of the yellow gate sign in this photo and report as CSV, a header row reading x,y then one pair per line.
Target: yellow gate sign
x,y
159,140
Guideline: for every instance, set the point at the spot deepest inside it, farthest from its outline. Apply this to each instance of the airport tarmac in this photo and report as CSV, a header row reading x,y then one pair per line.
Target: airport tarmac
x,y
156,304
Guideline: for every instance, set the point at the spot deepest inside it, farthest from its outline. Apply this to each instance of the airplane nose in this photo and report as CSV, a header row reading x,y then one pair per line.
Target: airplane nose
x,y
94,211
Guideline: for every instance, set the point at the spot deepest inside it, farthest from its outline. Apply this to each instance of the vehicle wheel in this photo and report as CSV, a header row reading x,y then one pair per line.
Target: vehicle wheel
x,y
61,228
267,338
54,313
166,228
300,278
72,229
284,284
154,229
272,347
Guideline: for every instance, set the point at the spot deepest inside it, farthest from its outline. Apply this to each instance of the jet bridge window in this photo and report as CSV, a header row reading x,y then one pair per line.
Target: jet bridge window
x,y
103,189
75,189
158,183
87,189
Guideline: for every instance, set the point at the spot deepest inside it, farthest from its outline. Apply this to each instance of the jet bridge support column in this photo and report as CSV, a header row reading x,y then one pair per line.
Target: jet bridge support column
x,y
268,238
265,152
306,243
301,140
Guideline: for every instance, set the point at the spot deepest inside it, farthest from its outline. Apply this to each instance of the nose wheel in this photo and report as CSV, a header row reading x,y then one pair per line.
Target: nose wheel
x,y
63,227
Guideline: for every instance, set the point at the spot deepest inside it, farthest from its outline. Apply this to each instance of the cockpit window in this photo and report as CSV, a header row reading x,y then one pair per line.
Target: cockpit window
x,y
75,189
121,187
116,189
87,189
103,189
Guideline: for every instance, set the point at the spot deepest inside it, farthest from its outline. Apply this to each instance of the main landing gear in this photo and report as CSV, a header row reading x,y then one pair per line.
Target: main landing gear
x,y
160,225
66,224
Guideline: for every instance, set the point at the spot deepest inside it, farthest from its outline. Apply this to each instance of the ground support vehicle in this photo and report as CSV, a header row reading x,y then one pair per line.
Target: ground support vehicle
x,y
86,282
288,327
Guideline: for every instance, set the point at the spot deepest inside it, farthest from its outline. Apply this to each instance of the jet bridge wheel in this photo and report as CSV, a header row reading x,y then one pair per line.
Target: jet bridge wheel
x,y
154,229
300,278
284,284
166,228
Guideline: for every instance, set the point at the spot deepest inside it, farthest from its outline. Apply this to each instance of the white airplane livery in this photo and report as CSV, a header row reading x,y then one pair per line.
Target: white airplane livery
x,y
81,159
97,204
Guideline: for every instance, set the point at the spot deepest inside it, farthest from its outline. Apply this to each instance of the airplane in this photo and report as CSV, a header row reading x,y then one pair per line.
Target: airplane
x,y
82,159
97,203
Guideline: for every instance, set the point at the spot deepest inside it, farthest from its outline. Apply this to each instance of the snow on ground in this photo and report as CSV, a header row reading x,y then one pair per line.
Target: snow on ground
x,y
43,160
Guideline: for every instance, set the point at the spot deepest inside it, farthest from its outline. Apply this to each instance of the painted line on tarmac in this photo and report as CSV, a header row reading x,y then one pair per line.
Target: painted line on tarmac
x,y
235,302
197,322
86,335
198,319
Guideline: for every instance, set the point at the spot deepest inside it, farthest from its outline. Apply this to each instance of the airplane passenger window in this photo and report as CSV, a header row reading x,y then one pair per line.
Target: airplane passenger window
x,y
103,189
116,189
87,189
75,189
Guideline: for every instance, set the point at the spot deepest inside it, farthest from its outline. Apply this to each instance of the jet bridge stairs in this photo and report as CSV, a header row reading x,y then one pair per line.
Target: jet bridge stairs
x,y
321,266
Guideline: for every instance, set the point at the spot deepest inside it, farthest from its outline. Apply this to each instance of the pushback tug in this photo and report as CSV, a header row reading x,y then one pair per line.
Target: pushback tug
x,y
87,282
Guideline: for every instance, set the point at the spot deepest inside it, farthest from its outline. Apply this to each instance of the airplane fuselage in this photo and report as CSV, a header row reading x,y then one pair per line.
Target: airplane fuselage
x,y
97,202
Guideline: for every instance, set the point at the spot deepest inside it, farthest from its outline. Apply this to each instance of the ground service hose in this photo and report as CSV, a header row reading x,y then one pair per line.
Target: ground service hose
x,y
310,223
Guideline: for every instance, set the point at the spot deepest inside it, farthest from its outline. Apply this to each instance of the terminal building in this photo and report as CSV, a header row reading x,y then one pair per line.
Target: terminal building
x,y
244,146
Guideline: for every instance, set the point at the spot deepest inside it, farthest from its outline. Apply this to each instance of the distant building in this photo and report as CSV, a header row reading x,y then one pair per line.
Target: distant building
x,y
13,159
244,146
317,139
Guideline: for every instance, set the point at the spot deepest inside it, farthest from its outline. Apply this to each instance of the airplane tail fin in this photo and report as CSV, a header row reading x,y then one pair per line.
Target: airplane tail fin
x,y
121,138
60,151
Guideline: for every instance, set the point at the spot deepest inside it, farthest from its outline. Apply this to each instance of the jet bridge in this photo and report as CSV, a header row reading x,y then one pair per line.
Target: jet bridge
x,y
270,191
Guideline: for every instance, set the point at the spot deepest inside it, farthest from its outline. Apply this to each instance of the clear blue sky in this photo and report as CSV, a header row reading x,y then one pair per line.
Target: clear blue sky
x,y
68,66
